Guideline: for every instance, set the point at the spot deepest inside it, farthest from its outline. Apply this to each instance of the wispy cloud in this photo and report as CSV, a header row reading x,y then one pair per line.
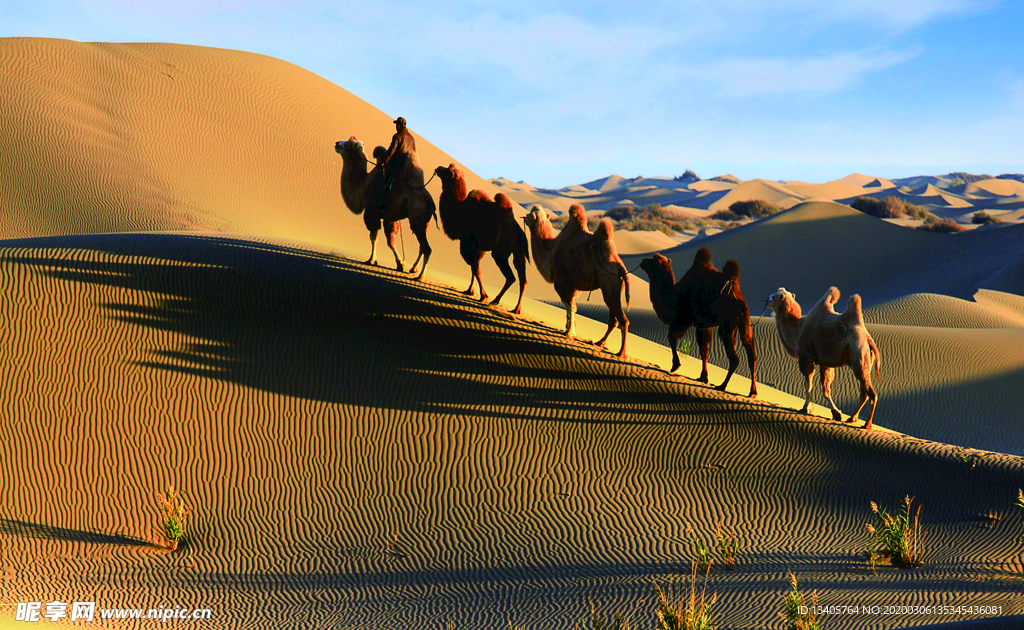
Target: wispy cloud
x,y
805,75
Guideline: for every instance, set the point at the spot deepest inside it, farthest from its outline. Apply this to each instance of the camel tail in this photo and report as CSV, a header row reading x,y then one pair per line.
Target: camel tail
x,y
878,358
625,278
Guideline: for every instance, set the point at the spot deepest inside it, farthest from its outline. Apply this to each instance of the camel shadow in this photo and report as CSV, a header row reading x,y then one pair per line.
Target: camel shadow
x,y
25,529
313,326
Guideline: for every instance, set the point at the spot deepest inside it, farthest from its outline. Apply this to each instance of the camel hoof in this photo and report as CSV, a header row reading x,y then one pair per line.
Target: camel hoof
x,y
703,379
867,426
719,388
752,395
469,292
400,268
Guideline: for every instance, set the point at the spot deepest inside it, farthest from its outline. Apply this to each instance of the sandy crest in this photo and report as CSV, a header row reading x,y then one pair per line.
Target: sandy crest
x,y
412,457
362,450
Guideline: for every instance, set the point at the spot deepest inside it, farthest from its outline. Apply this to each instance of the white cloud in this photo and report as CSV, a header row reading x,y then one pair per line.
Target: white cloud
x,y
808,75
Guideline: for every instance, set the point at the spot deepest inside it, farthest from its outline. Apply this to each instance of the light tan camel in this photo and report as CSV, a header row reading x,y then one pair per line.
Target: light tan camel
x,y
575,260
481,224
828,339
407,199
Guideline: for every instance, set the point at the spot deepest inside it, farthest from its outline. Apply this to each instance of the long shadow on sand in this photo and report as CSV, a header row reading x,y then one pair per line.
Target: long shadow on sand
x,y
312,326
25,529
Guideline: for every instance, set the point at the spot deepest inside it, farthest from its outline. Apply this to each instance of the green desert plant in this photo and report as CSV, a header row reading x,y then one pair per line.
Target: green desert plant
x,y
1020,504
728,545
897,539
598,623
174,522
797,614
889,208
690,613
703,559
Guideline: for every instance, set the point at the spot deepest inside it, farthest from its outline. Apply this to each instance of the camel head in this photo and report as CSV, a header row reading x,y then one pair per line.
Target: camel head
x,y
781,299
446,174
658,267
536,217
349,148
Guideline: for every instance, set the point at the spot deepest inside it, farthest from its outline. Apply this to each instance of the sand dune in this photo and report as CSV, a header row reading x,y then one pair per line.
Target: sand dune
x,y
363,450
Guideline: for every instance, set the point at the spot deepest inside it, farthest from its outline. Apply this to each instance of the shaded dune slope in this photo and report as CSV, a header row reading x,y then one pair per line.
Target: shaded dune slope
x,y
364,450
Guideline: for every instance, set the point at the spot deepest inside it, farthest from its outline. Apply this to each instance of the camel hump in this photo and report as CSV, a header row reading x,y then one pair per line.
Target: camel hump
x,y
503,201
854,314
379,153
478,195
353,139
831,297
578,216
605,230
732,269
702,257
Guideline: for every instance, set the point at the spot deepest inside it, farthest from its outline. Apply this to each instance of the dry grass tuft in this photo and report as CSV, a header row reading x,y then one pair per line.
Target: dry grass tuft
x,y
691,613
798,615
728,545
897,539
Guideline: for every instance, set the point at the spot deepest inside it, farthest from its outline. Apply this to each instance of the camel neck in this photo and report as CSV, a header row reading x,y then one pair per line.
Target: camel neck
x,y
788,322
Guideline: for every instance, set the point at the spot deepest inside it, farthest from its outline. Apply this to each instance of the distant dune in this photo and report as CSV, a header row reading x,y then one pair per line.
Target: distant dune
x,y
184,302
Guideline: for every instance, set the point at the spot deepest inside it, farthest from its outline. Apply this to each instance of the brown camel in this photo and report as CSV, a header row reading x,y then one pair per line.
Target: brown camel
x,y
407,199
828,339
665,292
575,260
481,224
708,298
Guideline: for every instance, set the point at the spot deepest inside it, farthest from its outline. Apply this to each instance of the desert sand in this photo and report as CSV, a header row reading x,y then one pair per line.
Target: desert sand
x,y
184,303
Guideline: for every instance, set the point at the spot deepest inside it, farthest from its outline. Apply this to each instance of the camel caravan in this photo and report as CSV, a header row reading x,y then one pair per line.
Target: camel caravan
x,y
576,259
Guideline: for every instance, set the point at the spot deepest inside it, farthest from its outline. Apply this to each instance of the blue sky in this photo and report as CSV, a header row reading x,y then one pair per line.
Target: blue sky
x,y
557,93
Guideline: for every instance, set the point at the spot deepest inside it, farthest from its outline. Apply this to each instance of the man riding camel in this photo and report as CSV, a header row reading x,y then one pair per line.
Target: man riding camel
x,y
403,146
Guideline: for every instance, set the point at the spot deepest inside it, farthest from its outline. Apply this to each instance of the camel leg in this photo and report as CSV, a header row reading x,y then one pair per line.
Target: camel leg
x,y
570,319
519,261
704,341
421,235
826,386
506,270
390,231
624,325
747,338
680,324
807,369
867,392
372,260
727,334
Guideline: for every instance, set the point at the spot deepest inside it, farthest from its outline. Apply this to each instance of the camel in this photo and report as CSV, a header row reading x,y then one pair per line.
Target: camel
x,y
407,199
707,298
575,260
481,224
830,340
665,292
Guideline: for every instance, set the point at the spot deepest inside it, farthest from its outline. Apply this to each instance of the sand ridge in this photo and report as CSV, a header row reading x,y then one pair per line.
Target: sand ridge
x,y
362,450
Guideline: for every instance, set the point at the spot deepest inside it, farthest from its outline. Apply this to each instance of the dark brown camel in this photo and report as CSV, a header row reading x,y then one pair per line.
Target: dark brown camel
x,y
481,224
665,292
709,298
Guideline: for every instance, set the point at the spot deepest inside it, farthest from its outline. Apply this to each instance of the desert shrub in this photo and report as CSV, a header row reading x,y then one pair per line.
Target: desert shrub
x,y
597,622
175,516
700,550
961,177
1020,504
687,177
935,224
983,218
649,218
690,613
728,545
897,538
889,208
754,208
793,603
726,215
